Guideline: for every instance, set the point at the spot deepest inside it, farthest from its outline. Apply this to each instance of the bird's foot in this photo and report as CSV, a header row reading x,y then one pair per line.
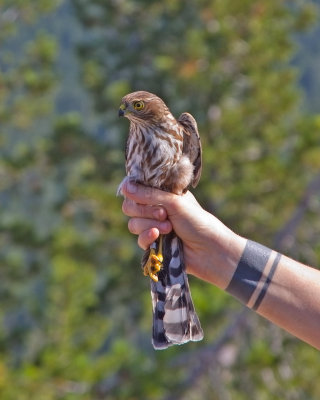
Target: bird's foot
x,y
153,264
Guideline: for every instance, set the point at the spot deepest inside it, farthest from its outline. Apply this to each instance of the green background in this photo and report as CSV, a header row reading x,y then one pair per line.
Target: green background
x,y
75,309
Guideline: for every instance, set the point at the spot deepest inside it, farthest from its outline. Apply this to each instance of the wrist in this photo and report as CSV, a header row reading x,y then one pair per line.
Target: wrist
x,y
228,256
222,250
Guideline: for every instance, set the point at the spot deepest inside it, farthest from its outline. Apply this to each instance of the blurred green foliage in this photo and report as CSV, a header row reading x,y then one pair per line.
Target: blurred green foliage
x,y
75,309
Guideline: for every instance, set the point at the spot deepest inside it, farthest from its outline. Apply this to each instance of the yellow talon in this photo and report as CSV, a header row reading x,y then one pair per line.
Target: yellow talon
x,y
154,262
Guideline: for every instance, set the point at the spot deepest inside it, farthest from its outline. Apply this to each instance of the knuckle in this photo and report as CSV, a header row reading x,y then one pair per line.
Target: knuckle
x,y
132,226
125,208
141,243
159,213
133,209
177,204
148,192
140,211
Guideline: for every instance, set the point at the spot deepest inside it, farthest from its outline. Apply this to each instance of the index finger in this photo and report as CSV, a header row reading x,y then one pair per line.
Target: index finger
x,y
148,195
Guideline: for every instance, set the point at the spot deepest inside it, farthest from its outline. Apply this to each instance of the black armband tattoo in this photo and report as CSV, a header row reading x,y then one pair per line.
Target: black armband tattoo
x,y
253,274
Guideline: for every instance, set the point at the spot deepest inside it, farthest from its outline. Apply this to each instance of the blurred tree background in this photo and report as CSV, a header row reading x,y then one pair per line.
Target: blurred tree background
x,y
75,309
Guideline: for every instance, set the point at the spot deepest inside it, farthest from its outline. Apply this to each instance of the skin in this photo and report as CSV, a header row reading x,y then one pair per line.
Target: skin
x,y
292,300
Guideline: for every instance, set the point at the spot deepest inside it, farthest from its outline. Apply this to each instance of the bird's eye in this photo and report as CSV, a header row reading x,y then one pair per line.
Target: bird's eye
x,y
138,105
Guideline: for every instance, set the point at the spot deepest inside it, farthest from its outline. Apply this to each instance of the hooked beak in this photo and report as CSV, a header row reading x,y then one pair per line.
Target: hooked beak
x,y
121,110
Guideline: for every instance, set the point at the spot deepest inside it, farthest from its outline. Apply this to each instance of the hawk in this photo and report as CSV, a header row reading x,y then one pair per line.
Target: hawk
x,y
164,153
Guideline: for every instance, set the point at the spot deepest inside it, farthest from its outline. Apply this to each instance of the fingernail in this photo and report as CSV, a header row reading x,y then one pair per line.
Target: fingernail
x,y
164,226
158,213
151,233
131,188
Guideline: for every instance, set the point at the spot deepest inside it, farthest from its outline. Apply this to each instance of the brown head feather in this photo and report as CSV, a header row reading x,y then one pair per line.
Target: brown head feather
x,y
154,109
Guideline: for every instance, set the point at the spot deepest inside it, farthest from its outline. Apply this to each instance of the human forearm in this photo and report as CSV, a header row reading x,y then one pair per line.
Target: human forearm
x,y
217,254
292,300
282,290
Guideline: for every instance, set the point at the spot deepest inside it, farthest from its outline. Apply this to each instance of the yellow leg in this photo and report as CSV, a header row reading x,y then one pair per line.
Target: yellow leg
x,y
154,262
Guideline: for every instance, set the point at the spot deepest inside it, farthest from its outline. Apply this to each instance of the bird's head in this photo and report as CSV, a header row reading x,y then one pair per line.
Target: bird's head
x,y
143,107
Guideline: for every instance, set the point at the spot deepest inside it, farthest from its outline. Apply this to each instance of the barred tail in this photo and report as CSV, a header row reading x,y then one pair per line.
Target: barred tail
x,y
175,320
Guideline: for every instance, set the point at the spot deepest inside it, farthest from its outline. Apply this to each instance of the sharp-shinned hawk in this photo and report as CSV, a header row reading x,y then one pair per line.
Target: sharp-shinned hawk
x,y
164,153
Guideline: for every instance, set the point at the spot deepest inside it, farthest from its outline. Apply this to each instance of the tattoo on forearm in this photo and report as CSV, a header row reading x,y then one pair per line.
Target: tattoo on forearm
x,y
253,274
267,282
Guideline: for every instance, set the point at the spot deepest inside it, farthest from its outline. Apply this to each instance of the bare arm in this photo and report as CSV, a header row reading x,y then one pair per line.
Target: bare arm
x,y
282,290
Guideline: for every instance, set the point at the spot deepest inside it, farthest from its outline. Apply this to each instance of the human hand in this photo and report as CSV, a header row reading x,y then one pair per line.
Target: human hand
x,y
207,241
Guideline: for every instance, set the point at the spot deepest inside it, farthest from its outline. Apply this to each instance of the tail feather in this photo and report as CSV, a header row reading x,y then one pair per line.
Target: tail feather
x,y
175,320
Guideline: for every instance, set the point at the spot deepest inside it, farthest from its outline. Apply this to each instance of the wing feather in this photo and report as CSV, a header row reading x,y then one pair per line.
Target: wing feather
x,y
192,144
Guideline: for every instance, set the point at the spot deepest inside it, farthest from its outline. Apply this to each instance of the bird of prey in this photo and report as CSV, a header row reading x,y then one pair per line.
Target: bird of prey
x,y
164,153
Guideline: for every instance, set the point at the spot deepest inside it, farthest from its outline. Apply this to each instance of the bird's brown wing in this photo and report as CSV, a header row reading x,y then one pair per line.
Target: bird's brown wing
x,y
126,149
192,144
